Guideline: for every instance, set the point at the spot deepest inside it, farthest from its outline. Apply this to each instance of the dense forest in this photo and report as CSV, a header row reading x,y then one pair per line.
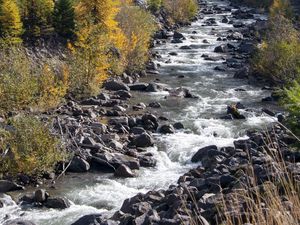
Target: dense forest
x,y
73,78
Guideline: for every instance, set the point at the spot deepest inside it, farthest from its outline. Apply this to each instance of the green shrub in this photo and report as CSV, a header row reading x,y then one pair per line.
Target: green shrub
x,y
24,84
154,5
28,147
291,101
181,11
278,58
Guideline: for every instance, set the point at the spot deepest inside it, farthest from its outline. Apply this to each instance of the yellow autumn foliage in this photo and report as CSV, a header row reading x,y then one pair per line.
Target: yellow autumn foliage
x,y
138,26
10,21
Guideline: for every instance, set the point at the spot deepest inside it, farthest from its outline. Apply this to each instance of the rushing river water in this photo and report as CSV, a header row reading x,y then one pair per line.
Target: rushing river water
x,y
94,193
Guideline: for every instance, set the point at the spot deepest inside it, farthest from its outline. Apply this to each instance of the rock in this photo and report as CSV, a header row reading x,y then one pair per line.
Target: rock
x,y
155,105
221,49
233,110
40,195
93,219
147,161
227,117
98,128
143,140
178,126
235,36
139,106
137,130
123,171
123,94
138,87
115,145
152,87
185,47
242,73
103,96
114,85
202,152
111,161
225,20
220,68
173,53
7,186
176,41
166,129
79,165
150,122
119,120
268,112
178,35
18,222
57,203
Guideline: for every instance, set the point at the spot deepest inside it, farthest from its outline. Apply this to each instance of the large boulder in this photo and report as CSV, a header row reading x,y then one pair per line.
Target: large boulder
x,y
138,87
201,153
57,203
93,219
114,85
124,171
40,195
7,186
112,161
143,140
79,165
221,49
166,129
178,35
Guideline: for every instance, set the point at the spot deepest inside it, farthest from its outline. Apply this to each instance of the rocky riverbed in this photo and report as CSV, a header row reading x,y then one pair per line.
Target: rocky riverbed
x,y
145,130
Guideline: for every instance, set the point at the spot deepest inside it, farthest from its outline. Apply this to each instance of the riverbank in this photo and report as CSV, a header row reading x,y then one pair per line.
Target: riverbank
x,y
204,118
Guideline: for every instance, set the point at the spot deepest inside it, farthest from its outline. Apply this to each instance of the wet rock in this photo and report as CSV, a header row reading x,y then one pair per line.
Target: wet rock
x,y
221,49
138,87
57,203
185,47
178,35
123,94
242,73
111,161
225,20
173,53
115,145
79,165
123,171
178,126
152,87
119,120
93,219
227,117
137,130
103,96
155,105
139,106
40,195
18,222
143,140
233,110
176,41
268,112
202,152
114,85
220,68
235,36
166,129
149,122
7,186
147,161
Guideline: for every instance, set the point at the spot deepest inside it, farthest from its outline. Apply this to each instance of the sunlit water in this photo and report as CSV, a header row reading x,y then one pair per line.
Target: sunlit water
x,y
94,193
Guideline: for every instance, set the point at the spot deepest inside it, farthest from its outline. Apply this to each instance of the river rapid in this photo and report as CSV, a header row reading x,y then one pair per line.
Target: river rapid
x,y
96,192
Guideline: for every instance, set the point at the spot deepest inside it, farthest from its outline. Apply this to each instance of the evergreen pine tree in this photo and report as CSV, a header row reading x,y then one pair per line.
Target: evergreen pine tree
x,y
37,17
64,18
10,21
